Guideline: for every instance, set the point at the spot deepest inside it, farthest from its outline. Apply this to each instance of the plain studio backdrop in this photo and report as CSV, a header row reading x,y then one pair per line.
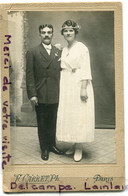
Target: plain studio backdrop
x,y
97,33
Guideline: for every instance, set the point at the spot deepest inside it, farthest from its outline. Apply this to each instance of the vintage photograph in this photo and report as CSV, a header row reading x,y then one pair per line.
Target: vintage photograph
x,y
62,92
62,97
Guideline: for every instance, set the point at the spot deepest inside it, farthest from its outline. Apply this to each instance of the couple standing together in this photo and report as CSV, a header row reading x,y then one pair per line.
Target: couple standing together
x,y
59,86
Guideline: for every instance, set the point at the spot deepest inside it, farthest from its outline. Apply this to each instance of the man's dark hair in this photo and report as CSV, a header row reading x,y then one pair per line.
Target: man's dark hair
x,y
45,25
71,23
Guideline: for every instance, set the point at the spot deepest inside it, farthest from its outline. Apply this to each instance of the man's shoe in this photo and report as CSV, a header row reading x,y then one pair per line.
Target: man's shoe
x,y
55,150
45,155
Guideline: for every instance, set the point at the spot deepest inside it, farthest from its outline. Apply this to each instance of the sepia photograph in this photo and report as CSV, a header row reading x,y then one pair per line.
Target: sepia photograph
x,y
62,97
63,87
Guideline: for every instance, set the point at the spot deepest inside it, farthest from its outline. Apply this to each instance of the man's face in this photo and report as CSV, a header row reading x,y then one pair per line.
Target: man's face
x,y
46,35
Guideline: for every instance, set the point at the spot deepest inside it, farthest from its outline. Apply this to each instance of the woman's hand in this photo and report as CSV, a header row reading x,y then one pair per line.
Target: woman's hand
x,y
83,95
83,92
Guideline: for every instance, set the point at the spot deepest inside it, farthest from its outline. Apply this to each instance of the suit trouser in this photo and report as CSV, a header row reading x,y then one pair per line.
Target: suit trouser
x,y
46,121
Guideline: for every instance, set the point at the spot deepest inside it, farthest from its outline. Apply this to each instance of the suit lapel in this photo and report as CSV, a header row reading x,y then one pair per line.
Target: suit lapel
x,y
52,56
48,57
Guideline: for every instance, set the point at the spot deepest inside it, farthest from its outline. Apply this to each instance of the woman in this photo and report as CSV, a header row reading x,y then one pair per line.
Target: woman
x,y
75,122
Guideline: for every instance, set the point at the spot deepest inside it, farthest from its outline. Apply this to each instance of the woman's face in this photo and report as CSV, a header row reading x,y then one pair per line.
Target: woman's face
x,y
69,33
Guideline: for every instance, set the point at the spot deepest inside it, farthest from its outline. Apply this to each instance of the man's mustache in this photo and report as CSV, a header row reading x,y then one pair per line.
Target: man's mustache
x,y
47,38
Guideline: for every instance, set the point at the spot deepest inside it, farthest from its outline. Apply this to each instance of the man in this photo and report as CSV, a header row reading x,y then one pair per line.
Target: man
x,y
42,80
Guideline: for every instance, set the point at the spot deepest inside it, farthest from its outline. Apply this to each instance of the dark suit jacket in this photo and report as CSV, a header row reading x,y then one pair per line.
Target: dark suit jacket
x,y
43,74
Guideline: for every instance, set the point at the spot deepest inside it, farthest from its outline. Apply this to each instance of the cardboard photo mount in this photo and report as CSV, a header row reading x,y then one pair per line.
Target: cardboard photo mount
x,y
64,177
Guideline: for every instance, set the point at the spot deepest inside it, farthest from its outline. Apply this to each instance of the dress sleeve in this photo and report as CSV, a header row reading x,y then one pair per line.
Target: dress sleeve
x,y
85,69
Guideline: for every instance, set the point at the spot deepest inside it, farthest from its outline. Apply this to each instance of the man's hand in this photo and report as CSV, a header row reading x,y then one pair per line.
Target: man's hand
x,y
83,95
34,101
59,46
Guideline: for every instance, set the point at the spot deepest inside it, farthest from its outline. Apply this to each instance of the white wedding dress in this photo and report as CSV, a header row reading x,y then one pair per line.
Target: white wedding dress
x,y
75,121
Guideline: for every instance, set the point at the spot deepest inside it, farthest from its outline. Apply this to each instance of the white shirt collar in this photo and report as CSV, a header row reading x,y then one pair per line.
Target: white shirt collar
x,y
47,47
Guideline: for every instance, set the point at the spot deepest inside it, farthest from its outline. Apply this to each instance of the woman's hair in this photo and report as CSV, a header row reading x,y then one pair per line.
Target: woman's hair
x,y
45,25
71,23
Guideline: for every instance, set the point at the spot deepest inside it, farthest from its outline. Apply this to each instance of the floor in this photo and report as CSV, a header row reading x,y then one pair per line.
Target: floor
x,y
25,148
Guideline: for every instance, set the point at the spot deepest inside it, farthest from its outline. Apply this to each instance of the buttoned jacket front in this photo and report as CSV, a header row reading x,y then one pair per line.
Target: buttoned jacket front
x,y
43,74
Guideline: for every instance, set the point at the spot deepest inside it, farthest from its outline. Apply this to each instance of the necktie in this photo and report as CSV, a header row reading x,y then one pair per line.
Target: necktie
x,y
48,48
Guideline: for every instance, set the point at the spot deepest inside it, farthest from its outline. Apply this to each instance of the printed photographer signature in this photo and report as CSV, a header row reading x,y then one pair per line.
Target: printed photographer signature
x,y
97,177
